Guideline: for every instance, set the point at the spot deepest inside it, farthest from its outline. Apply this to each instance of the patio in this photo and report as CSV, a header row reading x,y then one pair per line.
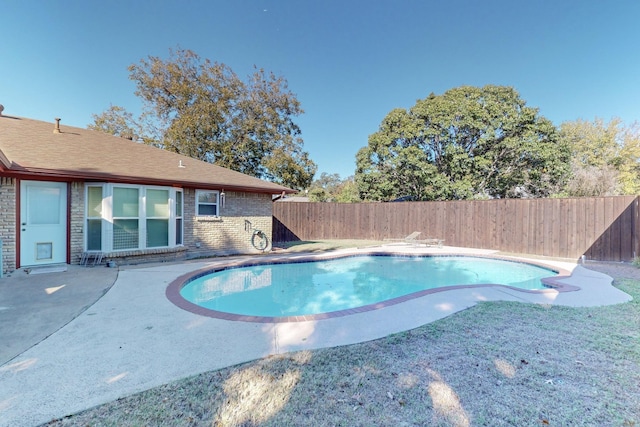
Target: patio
x,y
133,338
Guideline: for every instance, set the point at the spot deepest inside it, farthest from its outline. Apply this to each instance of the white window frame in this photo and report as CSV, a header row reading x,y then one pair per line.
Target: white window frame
x,y
88,217
173,228
141,218
147,216
216,204
107,215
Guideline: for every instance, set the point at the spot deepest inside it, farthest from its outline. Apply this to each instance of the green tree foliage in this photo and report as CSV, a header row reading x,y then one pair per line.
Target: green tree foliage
x,y
116,121
467,143
605,157
331,188
347,191
324,188
202,109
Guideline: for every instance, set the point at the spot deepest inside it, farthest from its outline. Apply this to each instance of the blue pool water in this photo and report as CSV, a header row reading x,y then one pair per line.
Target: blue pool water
x,y
294,289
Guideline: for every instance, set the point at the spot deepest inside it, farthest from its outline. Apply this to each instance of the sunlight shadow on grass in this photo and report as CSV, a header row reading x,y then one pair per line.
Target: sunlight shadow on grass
x,y
446,402
407,381
257,393
505,368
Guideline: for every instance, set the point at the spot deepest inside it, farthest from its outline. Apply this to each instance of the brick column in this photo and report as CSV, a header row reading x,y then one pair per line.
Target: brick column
x,y
8,223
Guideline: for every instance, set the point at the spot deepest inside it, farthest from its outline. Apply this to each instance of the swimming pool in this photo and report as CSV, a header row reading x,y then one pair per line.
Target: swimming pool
x,y
341,286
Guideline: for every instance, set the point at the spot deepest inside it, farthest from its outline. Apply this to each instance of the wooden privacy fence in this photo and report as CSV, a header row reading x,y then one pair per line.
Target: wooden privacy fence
x,y
602,228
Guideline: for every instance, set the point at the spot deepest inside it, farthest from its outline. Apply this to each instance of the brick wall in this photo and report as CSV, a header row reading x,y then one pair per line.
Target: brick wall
x,y
231,233
77,221
8,223
139,256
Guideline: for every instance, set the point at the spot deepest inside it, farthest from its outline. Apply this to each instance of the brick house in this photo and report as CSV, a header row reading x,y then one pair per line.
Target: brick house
x,y
69,194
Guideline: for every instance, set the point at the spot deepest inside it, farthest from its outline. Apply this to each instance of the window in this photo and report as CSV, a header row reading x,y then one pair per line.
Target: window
x,y
94,219
157,213
125,217
126,212
48,202
178,215
207,203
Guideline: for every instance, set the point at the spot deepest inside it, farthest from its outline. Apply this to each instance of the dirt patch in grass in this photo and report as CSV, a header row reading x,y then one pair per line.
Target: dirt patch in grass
x,y
495,364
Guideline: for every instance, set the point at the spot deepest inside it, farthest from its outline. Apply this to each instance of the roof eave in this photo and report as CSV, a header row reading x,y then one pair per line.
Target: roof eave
x,y
5,164
65,175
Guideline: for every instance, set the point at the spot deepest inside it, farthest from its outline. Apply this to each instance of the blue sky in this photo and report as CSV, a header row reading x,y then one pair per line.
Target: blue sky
x,y
349,62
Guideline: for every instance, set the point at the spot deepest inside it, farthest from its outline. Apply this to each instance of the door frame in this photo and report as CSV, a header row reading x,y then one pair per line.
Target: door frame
x,y
18,216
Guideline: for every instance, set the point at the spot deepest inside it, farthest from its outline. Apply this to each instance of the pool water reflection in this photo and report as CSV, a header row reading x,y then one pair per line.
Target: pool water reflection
x,y
313,287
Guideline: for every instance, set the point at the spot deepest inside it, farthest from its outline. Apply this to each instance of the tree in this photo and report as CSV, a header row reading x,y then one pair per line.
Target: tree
x,y
347,191
467,143
202,109
605,157
116,121
331,188
323,189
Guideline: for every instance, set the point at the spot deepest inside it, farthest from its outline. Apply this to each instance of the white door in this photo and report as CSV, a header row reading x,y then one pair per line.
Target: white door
x,y
43,223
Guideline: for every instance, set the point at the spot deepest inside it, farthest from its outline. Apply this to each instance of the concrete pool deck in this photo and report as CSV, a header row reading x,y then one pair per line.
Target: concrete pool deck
x,y
133,338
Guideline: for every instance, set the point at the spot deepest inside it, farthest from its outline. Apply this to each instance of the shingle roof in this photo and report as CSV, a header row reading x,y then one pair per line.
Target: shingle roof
x,y
30,148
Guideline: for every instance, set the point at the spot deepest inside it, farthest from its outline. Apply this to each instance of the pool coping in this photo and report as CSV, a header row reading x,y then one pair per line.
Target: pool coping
x,y
172,292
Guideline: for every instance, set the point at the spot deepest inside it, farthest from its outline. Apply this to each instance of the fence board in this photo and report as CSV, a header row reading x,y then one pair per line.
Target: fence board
x,y
579,230
563,228
608,222
626,227
598,227
621,227
602,228
547,233
540,209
